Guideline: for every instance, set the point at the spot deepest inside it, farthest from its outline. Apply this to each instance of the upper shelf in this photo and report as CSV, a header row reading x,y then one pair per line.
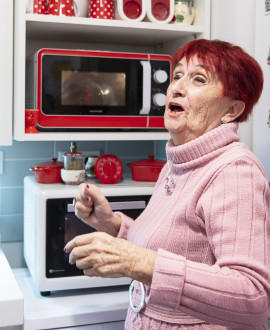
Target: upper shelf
x,y
45,27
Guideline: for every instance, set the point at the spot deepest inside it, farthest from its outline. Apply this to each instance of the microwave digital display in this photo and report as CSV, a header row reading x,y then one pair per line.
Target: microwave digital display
x,y
93,88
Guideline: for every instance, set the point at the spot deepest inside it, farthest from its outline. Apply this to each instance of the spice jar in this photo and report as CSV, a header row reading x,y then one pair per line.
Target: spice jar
x,y
73,160
183,12
73,171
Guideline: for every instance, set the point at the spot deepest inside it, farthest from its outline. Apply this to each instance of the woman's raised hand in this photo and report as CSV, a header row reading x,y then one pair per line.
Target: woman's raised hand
x,y
93,208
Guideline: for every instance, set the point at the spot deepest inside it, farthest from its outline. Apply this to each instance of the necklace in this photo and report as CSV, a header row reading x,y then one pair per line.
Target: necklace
x,y
169,184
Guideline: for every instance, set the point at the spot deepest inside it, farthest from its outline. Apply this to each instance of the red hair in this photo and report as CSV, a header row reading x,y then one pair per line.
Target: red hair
x,y
240,74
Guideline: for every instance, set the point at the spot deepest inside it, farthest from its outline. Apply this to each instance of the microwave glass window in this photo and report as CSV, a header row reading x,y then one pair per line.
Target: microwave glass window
x,y
63,225
93,88
83,86
74,227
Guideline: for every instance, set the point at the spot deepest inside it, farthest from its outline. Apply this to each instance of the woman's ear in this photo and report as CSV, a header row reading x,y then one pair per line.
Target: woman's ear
x,y
234,111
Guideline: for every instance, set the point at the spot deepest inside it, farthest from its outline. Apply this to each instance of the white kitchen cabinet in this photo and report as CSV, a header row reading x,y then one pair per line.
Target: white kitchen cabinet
x,y
6,77
11,298
92,308
33,32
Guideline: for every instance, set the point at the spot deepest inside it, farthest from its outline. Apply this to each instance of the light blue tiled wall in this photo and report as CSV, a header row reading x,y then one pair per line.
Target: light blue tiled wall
x,y
22,155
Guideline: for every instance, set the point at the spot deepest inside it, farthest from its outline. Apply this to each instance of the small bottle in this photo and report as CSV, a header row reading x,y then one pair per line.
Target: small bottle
x,y
183,12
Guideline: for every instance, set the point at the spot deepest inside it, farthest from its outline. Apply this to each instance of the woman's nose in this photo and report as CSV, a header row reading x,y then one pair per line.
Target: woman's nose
x,y
178,87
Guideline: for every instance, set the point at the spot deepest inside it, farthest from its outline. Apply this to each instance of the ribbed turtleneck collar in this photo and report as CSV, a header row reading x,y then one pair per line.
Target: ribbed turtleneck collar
x,y
202,148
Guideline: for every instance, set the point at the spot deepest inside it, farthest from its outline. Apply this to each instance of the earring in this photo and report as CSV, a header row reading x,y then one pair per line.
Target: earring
x,y
221,122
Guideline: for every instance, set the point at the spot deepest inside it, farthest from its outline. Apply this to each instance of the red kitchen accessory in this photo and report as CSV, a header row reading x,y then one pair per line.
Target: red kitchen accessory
x,y
39,7
133,9
61,7
103,9
146,170
31,120
130,10
108,169
160,11
48,172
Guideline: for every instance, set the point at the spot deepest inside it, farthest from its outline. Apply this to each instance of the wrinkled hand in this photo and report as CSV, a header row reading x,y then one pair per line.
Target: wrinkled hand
x,y
94,209
99,254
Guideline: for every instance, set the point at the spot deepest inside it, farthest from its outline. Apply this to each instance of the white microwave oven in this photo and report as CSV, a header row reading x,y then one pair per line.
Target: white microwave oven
x,y
50,222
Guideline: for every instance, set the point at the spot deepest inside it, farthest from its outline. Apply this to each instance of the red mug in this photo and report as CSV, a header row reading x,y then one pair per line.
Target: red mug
x,y
36,7
132,9
61,8
102,9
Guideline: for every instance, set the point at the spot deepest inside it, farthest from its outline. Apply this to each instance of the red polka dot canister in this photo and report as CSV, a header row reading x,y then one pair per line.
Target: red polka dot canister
x,y
102,9
61,7
39,7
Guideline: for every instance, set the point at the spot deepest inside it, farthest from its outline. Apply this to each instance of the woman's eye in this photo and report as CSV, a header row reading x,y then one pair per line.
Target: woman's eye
x,y
200,79
177,76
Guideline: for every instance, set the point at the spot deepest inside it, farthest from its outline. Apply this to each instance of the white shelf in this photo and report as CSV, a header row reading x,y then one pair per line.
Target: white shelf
x,y
102,30
97,136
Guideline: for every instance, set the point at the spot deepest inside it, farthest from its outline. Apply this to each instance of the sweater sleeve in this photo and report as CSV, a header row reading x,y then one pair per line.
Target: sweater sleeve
x,y
125,225
235,290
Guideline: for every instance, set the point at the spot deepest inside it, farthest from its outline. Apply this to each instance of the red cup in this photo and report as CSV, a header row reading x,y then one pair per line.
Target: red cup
x,y
40,7
61,8
132,8
160,9
103,9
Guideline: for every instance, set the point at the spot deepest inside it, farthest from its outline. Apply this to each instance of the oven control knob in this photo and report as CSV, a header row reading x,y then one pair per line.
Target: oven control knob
x,y
159,99
160,76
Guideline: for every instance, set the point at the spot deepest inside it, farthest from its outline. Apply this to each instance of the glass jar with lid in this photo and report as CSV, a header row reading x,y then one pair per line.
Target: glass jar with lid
x,y
184,12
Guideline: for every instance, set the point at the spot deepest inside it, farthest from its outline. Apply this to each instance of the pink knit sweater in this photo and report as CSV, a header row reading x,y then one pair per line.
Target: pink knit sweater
x,y
212,235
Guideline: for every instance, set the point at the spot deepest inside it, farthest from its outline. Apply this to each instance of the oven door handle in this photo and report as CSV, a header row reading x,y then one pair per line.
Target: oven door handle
x,y
146,89
118,206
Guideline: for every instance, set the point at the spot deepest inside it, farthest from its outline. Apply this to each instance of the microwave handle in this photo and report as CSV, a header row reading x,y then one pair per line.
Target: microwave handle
x,y
118,206
146,95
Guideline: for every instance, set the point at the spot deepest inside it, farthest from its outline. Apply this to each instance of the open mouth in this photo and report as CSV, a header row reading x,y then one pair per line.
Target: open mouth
x,y
175,107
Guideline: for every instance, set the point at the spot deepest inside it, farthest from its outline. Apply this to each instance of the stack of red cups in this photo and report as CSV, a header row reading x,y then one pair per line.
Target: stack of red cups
x,y
102,9
40,7
61,7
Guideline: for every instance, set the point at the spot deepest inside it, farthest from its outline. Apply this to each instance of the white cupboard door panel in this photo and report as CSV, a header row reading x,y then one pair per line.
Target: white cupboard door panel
x,y
6,77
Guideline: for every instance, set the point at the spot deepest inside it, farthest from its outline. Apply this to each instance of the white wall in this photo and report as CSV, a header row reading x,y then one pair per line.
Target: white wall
x,y
261,131
234,21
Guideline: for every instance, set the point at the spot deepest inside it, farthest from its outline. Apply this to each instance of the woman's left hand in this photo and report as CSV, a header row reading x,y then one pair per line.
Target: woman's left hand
x,y
100,254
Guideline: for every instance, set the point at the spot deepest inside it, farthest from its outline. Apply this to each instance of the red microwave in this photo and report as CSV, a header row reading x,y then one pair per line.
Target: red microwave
x,y
97,90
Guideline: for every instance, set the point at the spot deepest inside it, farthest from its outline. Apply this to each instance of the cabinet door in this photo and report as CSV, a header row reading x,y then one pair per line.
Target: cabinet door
x,y
6,77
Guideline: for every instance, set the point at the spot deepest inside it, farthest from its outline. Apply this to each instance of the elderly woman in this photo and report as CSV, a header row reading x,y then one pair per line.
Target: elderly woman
x,y
200,251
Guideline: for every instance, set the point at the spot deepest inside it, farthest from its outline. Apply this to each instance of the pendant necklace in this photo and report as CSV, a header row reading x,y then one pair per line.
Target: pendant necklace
x,y
169,184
